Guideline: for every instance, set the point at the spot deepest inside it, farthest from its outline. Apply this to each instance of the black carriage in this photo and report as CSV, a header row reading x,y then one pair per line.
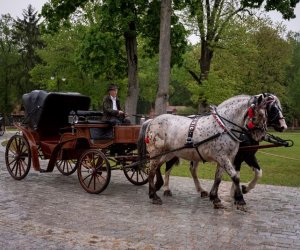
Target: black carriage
x,y
60,128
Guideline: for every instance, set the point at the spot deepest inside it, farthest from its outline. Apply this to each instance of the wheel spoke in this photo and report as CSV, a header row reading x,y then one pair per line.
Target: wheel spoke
x,y
93,171
18,157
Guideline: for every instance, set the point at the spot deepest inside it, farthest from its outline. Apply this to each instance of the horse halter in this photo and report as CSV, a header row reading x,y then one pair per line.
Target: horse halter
x,y
250,117
274,112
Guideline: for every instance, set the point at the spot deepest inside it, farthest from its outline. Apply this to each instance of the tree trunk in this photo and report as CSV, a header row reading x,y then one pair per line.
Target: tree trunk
x,y
164,58
132,60
205,60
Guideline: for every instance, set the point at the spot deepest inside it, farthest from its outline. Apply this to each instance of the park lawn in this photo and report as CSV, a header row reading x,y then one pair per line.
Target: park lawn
x,y
280,165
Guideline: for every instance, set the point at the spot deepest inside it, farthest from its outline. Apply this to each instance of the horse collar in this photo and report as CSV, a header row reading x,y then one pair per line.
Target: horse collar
x,y
189,139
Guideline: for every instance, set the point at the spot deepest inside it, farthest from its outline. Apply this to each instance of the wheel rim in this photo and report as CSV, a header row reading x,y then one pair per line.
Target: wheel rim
x,y
18,157
137,175
93,171
66,167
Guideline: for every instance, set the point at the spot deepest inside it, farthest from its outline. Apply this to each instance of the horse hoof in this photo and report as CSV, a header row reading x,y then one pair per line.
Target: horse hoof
x,y
157,201
218,205
204,194
244,189
240,202
168,193
241,208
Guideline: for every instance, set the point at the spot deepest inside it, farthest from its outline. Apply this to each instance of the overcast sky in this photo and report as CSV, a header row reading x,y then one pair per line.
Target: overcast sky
x,y
15,7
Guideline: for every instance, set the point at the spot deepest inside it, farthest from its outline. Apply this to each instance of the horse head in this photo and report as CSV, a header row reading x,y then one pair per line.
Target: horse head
x,y
256,117
274,112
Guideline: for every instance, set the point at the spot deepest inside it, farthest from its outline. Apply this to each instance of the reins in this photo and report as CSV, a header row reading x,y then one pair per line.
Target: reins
x,y
220,120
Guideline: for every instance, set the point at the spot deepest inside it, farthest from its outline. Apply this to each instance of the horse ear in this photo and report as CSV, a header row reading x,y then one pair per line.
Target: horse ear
x,y
260,99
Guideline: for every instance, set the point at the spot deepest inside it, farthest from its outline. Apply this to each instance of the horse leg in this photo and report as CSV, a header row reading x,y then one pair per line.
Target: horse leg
x,y
239,158
154,164
193,169
169,166
213,195
167,191
252,161
159,180
238,196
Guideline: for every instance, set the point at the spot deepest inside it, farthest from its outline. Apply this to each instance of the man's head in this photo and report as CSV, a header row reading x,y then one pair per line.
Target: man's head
x,y
113,90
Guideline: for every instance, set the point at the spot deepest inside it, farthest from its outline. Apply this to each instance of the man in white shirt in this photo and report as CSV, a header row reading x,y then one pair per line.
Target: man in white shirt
x,y
112,108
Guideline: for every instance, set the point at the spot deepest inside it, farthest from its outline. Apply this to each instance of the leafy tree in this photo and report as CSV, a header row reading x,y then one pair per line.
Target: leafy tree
x,y
118,17
213,18
27,37
252,58
115,20
285,7
8,65
59,71
294,78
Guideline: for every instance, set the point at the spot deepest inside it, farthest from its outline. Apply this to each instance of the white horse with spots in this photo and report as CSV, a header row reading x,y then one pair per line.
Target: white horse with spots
x,y
275,119
215,137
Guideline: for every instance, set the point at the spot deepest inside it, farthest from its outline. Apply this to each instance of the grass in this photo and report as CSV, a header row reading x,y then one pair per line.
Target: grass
x,y
281,165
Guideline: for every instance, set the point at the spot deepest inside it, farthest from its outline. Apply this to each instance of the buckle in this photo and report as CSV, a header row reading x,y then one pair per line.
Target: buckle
x,y
189,142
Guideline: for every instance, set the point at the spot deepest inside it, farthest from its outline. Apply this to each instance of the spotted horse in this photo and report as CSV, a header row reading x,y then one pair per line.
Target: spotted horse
x,y
215,138
275,119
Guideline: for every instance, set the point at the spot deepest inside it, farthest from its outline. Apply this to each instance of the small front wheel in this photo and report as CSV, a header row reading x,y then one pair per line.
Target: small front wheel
x,y
18,157
137,175
66,167
93,171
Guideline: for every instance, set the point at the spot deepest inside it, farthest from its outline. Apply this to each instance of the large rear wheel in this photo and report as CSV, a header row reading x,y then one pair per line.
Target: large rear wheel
x,y
93,171
18,157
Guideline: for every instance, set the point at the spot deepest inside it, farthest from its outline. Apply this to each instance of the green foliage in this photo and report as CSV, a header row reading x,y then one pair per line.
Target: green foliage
x,y
294,79
150,25
26,35
285,7
102,53
10,66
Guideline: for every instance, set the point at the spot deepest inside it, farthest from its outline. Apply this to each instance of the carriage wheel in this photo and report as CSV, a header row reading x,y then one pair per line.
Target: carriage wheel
x,y
137,175
40,152
18,157
66,167
93,171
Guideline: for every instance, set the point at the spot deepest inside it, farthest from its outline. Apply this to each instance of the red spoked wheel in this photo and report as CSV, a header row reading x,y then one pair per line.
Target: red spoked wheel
x,y
18,157
137,175
66,167
93,171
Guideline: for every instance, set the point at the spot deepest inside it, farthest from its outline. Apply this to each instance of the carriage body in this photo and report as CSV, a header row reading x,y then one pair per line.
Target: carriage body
x,y
89,145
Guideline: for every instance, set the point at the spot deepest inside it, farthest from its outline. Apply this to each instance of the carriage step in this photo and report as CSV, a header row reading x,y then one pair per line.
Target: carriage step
x,y
44,171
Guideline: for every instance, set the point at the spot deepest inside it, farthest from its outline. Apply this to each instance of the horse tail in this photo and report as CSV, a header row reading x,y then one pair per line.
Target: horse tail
x,y
141,145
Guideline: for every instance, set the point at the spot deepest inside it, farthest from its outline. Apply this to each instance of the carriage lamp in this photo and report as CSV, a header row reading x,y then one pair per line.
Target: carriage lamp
x,y
73,118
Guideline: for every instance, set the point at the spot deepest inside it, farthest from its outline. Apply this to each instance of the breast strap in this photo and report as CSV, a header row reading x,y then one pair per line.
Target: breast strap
x,y
189,139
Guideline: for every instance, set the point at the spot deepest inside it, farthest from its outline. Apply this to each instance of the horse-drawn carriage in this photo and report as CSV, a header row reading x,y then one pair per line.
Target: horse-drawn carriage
x,y
59,127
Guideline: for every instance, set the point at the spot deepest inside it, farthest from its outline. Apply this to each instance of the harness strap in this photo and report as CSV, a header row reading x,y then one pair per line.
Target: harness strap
x,y
219,120
189,139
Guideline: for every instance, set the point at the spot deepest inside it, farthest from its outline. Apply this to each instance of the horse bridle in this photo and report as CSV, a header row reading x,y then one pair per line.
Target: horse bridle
x,y
274,113
243,130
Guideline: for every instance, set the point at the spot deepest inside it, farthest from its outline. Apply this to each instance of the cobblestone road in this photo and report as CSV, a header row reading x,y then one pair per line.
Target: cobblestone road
x,y
52,211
